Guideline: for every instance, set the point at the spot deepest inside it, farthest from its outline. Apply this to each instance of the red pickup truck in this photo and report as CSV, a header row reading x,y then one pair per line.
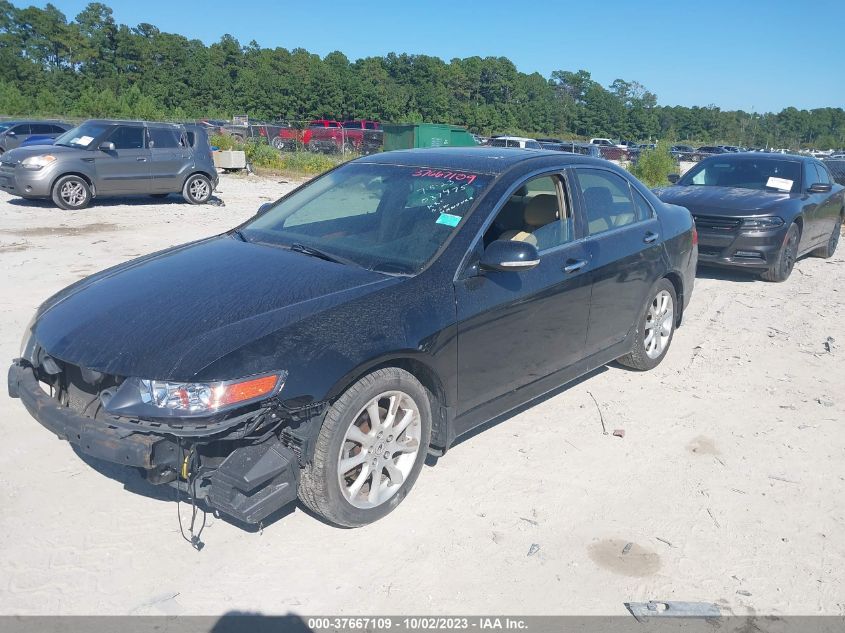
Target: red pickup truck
x,y
326,135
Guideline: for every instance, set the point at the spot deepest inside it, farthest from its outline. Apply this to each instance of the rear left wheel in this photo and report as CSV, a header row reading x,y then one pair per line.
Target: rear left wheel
x,y
657,327
370,449
197,189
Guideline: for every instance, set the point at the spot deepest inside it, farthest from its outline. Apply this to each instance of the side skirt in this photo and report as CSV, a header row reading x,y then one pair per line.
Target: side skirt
x,y
507,402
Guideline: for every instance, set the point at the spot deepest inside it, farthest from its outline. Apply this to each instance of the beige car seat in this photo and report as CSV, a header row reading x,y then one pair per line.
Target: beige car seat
x,y
541,210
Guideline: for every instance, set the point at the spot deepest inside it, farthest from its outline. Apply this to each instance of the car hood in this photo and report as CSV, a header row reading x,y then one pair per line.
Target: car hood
x,y
724,201
19,153
171,314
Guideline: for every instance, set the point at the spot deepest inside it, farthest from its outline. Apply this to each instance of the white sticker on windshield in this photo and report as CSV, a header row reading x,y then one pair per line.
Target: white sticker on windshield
x,y
84,140
783,184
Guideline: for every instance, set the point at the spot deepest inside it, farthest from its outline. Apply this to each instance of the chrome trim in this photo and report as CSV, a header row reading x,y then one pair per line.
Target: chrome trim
x,y
527,262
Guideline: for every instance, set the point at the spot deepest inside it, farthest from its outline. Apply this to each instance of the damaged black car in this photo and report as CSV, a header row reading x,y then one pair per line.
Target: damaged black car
x,y
323,348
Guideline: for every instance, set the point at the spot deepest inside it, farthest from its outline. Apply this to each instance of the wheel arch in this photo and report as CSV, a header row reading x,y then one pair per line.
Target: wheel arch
x,y
79,174
196,172
678,283
420,367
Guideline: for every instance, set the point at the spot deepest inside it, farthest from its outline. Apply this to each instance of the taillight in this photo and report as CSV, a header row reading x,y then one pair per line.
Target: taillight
x,y
694,235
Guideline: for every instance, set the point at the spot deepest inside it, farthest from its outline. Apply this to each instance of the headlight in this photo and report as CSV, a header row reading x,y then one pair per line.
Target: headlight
x,y
174,399
37,162
208,397
762,223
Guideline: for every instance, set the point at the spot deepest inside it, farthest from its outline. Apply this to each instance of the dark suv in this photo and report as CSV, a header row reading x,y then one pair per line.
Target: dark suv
x,y
106,158
13,133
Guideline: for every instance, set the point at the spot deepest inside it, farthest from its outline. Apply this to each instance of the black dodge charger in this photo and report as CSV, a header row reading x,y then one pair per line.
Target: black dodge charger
x,y
368,318
761,211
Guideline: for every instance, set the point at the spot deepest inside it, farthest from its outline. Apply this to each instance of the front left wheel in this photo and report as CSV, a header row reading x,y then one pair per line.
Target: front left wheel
x,y
370,449
656,329
71,193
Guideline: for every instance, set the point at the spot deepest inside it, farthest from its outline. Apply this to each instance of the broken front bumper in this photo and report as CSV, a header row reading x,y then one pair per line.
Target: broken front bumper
x,y
252,482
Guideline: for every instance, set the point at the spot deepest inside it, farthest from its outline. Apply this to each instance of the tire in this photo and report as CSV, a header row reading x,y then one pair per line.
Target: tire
x,y
829,249
346,498
197,189
159,195
651,344
785,260
278,143
71,193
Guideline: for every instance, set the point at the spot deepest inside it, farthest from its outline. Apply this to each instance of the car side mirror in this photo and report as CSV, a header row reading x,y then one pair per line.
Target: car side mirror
x,y
264,208
11,133
108,146
820,187
509,256
674,178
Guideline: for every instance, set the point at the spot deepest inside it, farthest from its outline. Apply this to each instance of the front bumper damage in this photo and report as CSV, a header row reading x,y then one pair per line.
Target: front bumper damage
x,y
247,470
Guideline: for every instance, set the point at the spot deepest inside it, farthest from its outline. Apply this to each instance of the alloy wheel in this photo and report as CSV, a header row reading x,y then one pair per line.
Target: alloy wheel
x,y
659,321
73,193
199,189
379,449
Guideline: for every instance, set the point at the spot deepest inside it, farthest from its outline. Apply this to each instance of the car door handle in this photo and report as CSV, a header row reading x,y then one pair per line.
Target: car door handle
x,y
574,265
141,159
650,237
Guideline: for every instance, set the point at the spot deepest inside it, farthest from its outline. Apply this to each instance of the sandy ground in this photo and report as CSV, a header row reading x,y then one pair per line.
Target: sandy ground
x,y
728,483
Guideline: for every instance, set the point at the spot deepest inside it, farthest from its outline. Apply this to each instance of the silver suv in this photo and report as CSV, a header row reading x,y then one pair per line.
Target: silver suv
x,y
113,158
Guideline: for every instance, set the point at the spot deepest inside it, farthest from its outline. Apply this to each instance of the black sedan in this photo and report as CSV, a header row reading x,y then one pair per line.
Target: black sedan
x,y
368,318
761,211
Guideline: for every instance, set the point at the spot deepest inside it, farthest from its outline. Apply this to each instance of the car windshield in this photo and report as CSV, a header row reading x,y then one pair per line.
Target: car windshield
x,y
770,174
386,218
5,126
82,136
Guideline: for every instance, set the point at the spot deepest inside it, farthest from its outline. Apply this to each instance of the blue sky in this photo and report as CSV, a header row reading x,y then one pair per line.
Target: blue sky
x,y
734,54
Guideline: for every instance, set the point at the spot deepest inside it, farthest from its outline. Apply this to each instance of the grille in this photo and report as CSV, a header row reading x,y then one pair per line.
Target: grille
x,y
716,223
713,251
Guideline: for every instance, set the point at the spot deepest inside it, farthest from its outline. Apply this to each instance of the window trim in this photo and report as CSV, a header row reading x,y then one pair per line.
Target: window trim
x,y
614,230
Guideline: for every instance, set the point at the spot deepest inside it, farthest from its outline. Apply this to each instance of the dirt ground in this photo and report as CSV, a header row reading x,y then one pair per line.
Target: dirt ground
x,y
728,482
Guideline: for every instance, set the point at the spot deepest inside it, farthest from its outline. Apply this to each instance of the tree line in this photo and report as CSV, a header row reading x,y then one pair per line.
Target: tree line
x,y
91,66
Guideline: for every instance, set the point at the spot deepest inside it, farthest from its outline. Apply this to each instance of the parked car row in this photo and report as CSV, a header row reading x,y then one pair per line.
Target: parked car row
x,y
318,135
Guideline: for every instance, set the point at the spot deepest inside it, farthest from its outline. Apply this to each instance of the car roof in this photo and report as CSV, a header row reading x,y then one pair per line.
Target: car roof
x,y
487,160
124,122
758,155
19,121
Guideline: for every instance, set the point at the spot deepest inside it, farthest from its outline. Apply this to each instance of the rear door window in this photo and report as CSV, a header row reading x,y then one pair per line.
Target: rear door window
x,y
607,200
41,128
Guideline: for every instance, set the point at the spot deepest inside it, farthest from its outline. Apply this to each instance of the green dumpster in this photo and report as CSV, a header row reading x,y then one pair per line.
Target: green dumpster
x,y
411,135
